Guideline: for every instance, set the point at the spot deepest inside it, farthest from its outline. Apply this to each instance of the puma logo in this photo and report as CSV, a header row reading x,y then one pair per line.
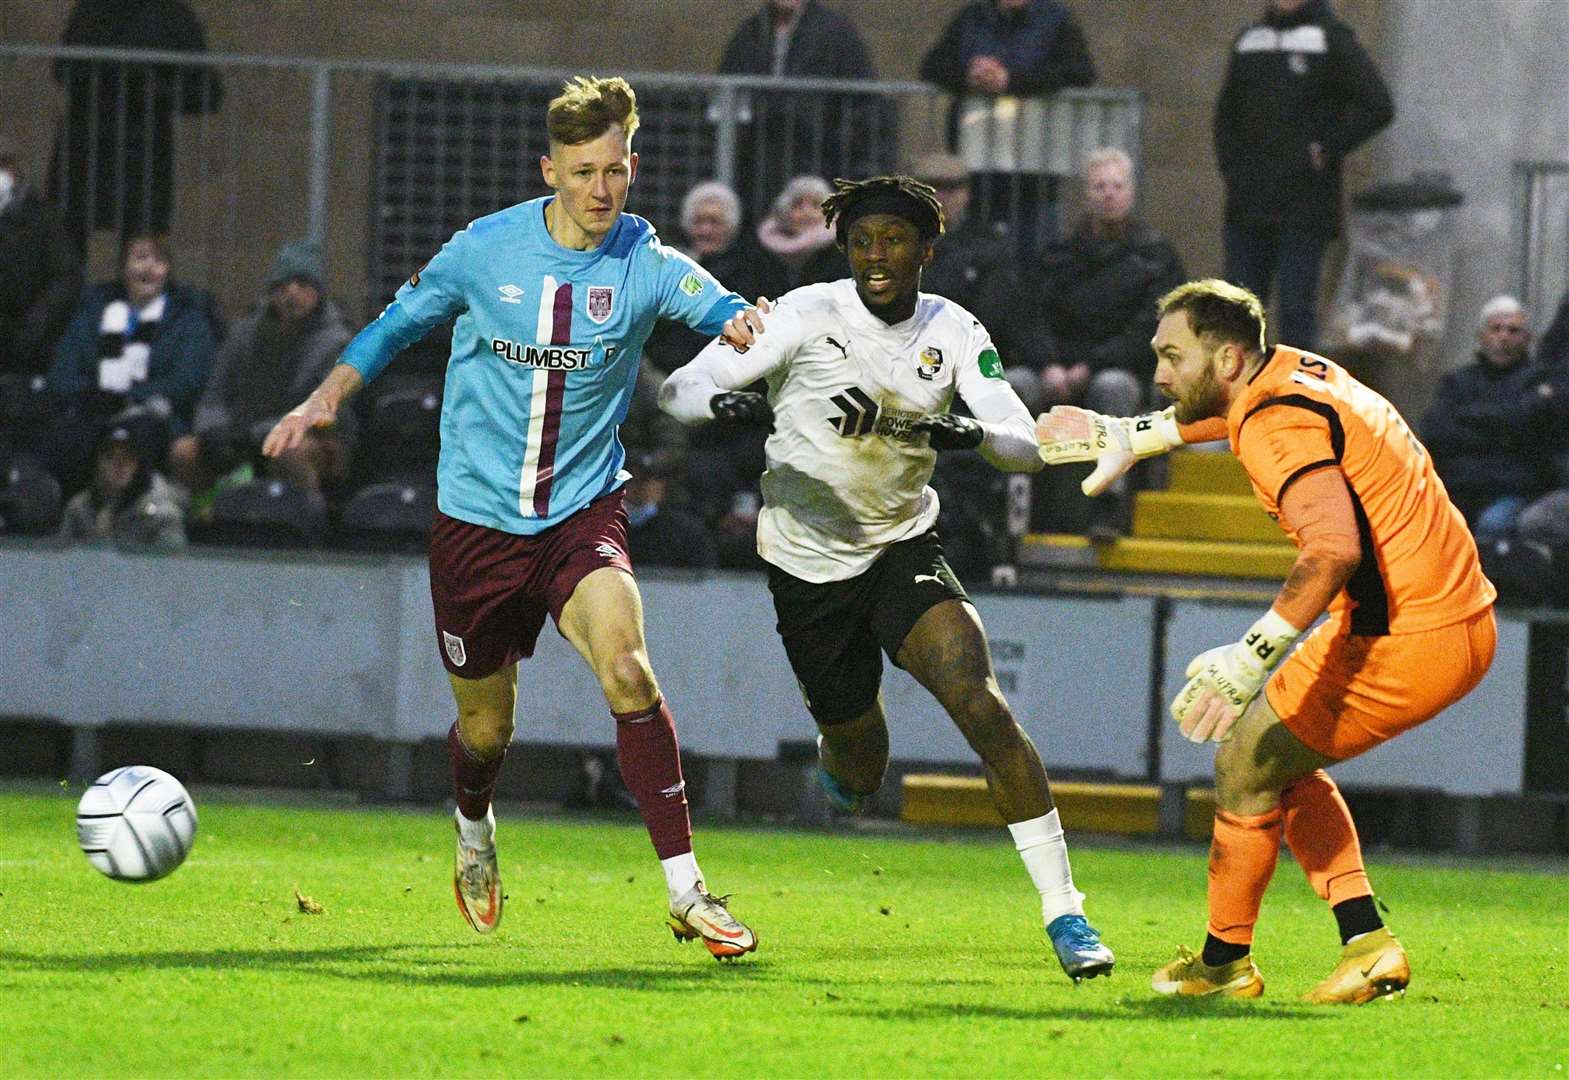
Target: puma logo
x,y
927,577
842,350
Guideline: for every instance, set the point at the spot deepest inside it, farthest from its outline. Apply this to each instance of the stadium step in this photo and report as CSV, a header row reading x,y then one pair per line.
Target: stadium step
x,y
1209,473
1124,809
1186,515
1136,554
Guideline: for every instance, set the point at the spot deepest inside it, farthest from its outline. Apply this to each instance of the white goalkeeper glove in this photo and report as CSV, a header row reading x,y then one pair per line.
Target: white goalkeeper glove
x,y
1068,433
1221,682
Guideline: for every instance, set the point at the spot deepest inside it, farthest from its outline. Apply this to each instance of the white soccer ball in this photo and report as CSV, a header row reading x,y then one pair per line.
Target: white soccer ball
x,y
136,823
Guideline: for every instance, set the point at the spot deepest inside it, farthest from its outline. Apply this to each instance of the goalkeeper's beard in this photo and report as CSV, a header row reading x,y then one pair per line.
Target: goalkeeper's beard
x,y
1206,400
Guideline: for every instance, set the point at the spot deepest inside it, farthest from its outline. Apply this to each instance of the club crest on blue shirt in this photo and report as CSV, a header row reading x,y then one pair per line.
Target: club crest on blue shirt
x,y
929,363
601,298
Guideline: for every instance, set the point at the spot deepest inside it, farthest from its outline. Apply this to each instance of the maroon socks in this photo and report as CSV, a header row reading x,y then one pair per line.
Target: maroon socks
x,y
473,780
651,768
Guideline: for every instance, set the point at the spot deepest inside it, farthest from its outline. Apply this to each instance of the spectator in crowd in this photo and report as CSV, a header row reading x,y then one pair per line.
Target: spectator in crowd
x,y
128,501
118,131
143,343
1491,426
795,234
659,534
992,52
711,233
973,265
270,361
40,275
1099,287
1300,94
785,133
718,461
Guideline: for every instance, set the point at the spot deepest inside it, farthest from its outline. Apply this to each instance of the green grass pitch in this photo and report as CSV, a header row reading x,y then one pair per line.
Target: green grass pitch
x,y
904,955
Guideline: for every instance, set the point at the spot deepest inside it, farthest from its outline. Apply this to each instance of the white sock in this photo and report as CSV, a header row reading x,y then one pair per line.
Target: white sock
x,y
681,873
477,834
1045,854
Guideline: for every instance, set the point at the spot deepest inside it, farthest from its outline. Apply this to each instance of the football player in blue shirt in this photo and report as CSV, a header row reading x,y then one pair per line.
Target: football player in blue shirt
x,y
553,300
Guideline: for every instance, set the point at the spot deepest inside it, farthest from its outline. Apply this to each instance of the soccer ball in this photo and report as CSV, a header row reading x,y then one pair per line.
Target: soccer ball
x,y
136,823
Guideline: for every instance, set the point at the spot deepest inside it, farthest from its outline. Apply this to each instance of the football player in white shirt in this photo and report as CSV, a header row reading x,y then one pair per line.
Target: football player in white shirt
x,y
861,374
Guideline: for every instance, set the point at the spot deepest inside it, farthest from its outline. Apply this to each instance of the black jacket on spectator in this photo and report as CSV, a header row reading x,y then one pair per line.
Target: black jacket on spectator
x,y
744,267
1293,81
672,537
40,281
1041,46
974,267
806,132
139,193
1491,433
1099,295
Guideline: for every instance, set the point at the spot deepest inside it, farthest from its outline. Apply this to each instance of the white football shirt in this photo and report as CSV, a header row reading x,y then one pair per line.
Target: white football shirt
x,y
846,476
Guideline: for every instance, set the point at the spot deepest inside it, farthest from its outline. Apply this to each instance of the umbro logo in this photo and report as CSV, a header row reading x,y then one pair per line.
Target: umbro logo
x,y
510,294
609,551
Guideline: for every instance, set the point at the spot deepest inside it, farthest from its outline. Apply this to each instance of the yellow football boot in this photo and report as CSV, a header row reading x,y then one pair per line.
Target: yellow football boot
x,y
1189,976
1370,967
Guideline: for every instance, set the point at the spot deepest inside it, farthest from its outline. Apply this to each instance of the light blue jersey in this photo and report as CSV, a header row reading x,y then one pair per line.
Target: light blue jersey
x,y
545,353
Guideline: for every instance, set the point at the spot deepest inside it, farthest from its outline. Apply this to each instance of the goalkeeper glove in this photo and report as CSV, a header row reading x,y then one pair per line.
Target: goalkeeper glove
x,y
950,432
1222,682
743,407
1068,434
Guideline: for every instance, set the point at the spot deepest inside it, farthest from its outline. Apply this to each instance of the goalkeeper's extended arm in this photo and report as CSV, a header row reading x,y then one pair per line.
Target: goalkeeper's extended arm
x,y
1068,434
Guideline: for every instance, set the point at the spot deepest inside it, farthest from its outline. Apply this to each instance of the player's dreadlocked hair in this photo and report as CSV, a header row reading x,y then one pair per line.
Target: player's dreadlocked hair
x,y
902,195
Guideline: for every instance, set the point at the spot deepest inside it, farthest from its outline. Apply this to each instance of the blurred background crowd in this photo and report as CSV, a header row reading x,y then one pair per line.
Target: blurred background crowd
x,y
134,397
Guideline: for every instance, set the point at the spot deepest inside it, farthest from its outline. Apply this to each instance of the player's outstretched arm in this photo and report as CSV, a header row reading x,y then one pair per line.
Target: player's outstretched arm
x,y
1001,429
709,388
1068,434
319,410
1223,681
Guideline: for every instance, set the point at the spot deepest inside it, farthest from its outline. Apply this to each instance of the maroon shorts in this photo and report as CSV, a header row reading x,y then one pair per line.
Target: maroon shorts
x,y
492,589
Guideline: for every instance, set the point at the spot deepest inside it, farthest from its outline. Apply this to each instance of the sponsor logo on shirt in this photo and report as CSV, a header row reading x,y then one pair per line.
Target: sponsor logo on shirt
x,y
861,415
549,357
692,285
990,363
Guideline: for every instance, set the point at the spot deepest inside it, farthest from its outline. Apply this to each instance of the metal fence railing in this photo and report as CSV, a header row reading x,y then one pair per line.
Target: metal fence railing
x,y
1541,234
232,155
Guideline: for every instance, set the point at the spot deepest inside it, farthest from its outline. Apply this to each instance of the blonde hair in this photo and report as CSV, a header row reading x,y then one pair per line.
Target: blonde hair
x,y
589,106
1109,155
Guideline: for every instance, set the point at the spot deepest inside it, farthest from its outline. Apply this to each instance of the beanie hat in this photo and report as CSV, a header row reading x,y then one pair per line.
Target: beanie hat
x,y
298,258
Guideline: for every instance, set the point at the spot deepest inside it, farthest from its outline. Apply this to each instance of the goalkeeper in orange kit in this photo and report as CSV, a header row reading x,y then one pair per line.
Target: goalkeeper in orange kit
x,y
1383,551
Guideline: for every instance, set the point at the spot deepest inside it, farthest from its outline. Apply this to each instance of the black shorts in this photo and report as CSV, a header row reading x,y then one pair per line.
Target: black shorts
x,y
835,632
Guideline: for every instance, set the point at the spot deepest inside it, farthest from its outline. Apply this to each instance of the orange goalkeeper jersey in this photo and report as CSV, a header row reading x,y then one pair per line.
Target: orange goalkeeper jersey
x,y
1419,569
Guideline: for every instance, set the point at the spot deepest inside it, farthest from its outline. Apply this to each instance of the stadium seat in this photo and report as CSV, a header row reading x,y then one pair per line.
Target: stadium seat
x,y
265,513
30,500
401,427
389,516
